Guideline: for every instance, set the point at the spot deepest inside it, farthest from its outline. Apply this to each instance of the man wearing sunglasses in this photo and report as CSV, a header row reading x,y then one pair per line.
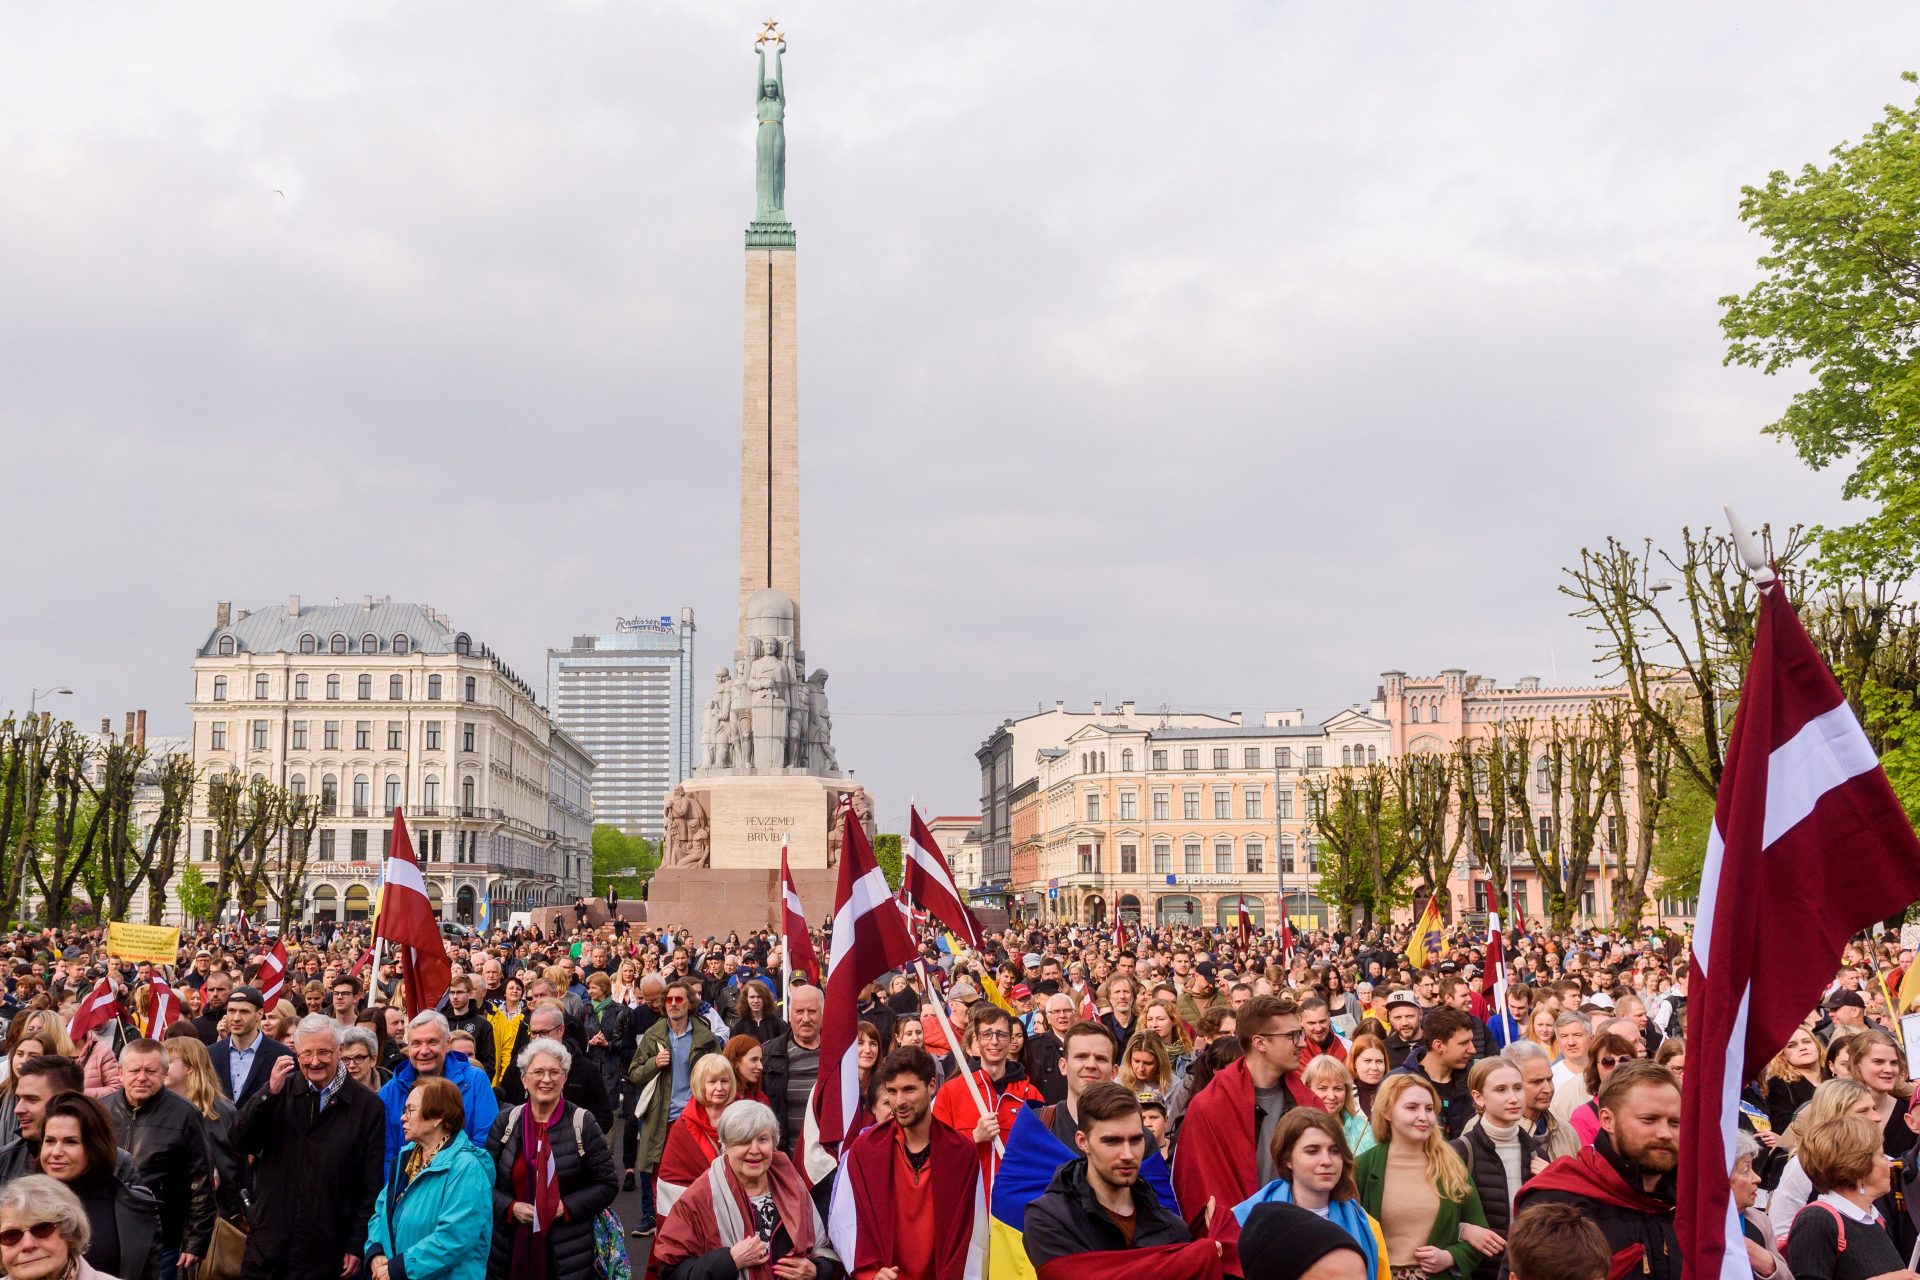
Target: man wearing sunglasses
x,y
662,1067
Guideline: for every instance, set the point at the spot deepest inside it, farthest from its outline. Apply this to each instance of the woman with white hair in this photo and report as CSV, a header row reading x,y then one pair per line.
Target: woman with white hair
x,y
44,1232
750,1211
553,1173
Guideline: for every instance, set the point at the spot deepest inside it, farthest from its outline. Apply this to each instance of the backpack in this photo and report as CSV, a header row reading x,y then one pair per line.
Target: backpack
x,y
610,1258
1839,1221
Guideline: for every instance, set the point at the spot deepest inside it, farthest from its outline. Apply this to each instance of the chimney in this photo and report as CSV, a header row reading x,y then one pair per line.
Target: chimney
x,y
1234,716
366,604
129,726
1059,704
106,726
1096,708
140,728
293,606
223,615
1126,708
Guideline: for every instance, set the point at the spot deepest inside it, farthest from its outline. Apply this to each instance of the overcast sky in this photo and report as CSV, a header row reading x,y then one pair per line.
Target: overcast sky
x,y
1224,361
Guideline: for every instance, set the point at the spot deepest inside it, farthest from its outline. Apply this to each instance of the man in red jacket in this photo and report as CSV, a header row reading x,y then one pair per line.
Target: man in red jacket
x,y
999,1081
1234,1118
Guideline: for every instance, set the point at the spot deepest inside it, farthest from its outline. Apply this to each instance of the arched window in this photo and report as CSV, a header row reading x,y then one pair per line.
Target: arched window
x,y
337,645
473,689
1542,775
219,688
1373,755
362,792
298,784
430,792
308,644
393,792
396,688
369,643
433,687
329,794
333,688
463,644
364,688
260,685
1126,760
466,794
400,643
300,686
1346,755
226,646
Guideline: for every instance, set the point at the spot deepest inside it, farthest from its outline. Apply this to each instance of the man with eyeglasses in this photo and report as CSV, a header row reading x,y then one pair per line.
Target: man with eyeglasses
x,y
1001,1083
316,1141
1238,1111
662,1067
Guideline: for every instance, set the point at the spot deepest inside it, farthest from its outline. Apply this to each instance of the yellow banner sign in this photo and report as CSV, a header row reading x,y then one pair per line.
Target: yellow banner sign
x,y
156,943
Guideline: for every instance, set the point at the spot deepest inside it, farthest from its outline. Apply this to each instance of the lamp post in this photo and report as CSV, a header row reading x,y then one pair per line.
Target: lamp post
x,y
33,702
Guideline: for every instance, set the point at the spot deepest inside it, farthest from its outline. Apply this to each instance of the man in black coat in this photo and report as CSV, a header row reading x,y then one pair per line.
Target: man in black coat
x,y
1077,1213
1047,1046
319,1145
243,1060
167,1139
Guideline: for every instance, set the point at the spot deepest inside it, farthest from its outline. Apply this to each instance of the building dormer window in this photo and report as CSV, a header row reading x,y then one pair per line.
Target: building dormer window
x,y
226,646
369,643
400,643
463,645
308,643
337,645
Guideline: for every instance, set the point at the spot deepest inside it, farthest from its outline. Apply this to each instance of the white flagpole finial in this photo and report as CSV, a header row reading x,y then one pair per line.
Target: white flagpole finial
x,y
1748,545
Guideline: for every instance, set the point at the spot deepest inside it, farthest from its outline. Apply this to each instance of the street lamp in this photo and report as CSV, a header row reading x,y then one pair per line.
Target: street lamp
x,y
33,703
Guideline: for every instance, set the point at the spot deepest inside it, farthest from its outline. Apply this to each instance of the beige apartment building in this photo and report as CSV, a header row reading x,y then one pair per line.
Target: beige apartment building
x,y
377,705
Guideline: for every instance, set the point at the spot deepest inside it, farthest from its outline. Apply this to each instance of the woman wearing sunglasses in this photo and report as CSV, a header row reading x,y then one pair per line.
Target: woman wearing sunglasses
x,y
1603,1056
43,1232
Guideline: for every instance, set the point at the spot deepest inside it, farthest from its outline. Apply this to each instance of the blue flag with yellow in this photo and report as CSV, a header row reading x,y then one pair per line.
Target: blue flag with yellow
x,y
1429,942
1033,1156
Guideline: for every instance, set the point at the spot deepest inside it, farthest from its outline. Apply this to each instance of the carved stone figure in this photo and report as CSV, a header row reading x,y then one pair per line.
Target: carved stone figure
x,y
863,810
686,834
819,732
770,689
716,727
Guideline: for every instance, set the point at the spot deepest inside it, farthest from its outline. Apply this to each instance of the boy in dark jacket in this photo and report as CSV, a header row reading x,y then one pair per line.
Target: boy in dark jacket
x,y
1098,1203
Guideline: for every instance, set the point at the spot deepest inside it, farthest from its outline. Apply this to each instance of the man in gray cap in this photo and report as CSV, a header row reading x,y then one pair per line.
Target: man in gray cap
x,y
244,1057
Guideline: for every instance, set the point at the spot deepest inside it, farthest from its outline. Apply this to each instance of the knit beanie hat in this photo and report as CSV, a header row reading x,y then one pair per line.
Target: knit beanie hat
x,y
1281,1241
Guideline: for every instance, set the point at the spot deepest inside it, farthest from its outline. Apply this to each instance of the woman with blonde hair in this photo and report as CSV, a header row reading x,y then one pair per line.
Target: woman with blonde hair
x,y
190,1074
1332,1083
1879,1065
1790,1079
1832,1099
1146,1065
1417,1187
1838,1236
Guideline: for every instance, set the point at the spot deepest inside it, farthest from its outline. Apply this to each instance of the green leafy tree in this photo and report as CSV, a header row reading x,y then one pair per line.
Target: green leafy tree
x,y
1680,837
195,894
614,851
1839,299
886,852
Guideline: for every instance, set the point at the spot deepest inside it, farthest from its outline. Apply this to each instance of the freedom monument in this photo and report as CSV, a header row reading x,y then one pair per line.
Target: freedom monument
x,y
767,774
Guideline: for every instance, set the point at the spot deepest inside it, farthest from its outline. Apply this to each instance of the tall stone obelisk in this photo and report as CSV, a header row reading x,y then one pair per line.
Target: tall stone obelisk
x,y
770,413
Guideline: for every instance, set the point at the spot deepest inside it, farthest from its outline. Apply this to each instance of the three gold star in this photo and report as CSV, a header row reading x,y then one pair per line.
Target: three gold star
x,y
771,32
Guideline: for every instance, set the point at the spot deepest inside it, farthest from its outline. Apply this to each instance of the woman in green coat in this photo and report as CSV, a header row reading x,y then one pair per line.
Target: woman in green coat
x,y
434,1218
1418,1188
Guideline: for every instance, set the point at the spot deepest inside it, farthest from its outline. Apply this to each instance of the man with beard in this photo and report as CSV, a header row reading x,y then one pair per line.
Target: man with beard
x,y
1403,1034
1624,1182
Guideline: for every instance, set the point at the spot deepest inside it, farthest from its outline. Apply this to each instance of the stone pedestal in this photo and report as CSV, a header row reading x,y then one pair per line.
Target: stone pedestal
x,y
707,900
749,815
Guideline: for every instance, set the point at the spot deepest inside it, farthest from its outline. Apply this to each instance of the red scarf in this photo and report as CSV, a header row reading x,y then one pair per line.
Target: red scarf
x,y
692,1145
535,1182
690,1230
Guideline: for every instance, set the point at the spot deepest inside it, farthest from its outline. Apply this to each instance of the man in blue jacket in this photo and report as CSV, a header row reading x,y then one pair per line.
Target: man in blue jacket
x,y
427,1055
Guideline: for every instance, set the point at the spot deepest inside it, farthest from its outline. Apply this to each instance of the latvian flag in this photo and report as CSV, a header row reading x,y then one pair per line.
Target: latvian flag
x,y
796,946
1808,846
271,977
101,1006
163,1006
408,923
928,881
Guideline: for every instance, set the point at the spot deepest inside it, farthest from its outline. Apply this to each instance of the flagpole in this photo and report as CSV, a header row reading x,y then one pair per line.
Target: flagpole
x,y
959,1051
786,945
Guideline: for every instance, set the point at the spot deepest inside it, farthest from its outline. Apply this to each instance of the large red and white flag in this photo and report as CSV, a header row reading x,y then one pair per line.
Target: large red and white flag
x,y
408,923
796,945
1246,927
1493,982
163,1006
1808,846
271,977
869,938
1286,935
926,878
101,1006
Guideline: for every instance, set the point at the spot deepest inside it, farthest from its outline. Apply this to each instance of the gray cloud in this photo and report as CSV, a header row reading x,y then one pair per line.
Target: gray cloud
x,y
1223,359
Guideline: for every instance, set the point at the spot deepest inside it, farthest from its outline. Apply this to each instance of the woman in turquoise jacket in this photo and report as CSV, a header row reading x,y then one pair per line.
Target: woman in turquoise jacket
x,y
434,1218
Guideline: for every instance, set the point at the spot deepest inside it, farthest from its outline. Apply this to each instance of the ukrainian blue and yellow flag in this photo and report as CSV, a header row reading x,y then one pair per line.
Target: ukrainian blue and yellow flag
x,y
1033,1156
1429,942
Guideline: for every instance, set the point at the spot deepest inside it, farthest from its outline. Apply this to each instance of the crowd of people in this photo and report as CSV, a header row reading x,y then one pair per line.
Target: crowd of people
x,y
1188,1097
